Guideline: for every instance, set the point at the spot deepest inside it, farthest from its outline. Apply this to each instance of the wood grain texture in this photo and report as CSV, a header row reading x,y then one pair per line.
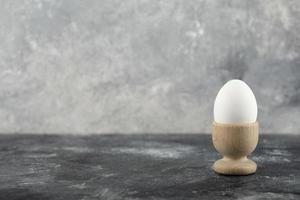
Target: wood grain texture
x,y
235,142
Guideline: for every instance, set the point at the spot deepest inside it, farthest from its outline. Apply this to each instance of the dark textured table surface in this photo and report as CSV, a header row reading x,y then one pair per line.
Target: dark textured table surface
x,y
141,167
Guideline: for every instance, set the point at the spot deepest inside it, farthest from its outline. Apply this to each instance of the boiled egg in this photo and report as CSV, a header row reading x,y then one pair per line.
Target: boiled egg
x,y
235,103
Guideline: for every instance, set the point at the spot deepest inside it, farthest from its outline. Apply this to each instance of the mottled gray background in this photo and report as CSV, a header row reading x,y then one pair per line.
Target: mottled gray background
x,y
144,66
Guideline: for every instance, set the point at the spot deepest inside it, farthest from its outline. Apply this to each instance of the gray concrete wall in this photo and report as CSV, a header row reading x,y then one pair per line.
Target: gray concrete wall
x,y
138,66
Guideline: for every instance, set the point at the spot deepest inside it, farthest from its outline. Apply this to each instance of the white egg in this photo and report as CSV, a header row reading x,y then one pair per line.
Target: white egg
x,y
235,103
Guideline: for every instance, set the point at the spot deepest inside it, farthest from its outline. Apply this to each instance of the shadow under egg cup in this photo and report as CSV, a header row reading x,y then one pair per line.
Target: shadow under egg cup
x,y
235,142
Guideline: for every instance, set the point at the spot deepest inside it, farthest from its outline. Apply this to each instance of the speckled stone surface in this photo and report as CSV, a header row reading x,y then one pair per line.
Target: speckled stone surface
x,y
144,66
141,167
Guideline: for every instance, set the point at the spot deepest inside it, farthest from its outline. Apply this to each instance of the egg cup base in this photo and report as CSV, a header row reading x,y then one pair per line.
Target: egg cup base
x,y
235,167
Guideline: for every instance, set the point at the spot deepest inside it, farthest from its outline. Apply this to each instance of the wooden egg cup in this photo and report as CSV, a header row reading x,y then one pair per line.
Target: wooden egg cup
x,y
235,142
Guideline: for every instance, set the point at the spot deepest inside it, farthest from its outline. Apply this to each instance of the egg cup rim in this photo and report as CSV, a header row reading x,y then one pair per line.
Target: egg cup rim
x,y
235,124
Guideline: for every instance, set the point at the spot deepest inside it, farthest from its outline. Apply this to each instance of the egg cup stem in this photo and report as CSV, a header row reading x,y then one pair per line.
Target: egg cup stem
x,y
235,142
